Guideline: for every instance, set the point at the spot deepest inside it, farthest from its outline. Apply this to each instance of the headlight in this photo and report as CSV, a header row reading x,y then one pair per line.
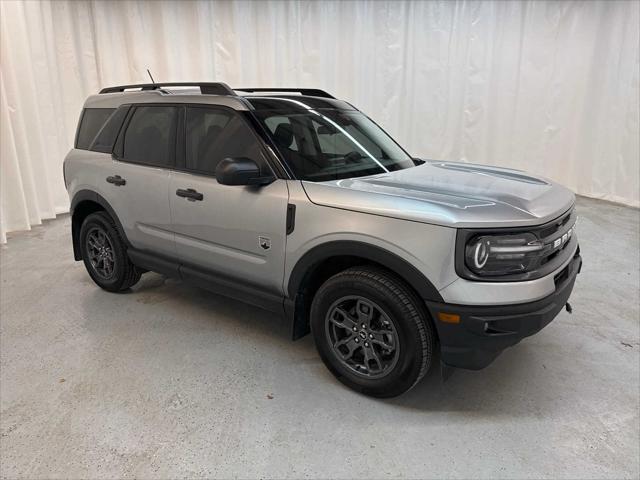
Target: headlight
x,y
514,255
492,255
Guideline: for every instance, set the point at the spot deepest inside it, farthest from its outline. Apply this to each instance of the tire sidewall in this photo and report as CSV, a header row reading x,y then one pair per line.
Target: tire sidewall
x,y
408,366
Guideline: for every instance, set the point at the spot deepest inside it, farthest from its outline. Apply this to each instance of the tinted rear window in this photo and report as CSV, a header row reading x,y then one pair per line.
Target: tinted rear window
x,y
92,121
107,136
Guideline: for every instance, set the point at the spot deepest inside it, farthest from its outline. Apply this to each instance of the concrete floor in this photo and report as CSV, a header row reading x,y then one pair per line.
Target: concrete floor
x,y
171,381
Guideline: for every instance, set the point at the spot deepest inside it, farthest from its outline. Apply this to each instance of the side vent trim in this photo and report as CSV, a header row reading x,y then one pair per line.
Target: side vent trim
x,y
291,218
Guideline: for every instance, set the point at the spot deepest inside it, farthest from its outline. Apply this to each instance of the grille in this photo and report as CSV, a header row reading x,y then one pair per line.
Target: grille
x,y
551,230
550,234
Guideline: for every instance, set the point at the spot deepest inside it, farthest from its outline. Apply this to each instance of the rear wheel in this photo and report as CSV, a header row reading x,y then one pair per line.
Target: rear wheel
x,y
372,332
105,254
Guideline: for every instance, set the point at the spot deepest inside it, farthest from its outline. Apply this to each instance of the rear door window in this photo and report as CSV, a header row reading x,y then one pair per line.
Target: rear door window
x,y
90,124
150,138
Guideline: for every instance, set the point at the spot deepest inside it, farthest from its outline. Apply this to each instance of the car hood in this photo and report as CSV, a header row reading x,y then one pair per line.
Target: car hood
x,y
452,194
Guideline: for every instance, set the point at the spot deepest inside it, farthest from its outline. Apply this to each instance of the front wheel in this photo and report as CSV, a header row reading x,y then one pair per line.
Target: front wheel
x,y
372,332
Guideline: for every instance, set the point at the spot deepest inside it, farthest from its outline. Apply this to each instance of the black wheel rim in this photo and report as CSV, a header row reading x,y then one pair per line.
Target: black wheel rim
x,y
100,253
362,336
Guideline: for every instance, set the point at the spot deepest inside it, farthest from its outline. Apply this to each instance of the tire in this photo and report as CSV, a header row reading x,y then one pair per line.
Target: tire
x,y
102,246
401,334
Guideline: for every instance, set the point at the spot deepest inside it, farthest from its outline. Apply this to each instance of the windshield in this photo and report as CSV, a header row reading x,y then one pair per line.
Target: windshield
x,y
322,145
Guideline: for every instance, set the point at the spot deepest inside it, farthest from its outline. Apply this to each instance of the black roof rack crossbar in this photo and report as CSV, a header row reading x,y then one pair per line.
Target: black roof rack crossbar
x,y
312,92
217,88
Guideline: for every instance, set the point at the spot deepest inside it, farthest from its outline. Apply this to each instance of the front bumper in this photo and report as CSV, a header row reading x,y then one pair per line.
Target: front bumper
x,y
473,336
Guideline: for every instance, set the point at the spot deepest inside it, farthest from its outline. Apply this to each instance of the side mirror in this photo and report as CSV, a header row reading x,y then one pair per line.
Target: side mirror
x,y
418,161
241,171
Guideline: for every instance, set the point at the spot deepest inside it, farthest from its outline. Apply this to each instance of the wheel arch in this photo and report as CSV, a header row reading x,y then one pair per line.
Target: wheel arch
x,y
83,204
325,260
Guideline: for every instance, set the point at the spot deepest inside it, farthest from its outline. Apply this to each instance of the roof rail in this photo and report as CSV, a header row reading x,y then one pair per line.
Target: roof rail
x,y
312,92
217,88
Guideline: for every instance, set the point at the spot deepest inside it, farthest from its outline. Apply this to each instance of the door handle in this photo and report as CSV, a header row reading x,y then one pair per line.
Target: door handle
x,y
117,180
190,194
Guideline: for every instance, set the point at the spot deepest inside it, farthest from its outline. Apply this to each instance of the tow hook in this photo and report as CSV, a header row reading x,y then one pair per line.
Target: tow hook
x,y
568,308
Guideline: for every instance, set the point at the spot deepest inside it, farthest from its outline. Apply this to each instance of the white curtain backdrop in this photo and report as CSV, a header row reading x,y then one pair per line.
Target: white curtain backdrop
x,y
548,87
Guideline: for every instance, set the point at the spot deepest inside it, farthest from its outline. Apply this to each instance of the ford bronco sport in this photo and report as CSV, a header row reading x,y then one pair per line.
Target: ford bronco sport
x,y
297,202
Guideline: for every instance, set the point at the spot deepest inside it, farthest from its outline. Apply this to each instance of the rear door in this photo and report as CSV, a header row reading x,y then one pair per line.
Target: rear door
x,y
238,232
139,187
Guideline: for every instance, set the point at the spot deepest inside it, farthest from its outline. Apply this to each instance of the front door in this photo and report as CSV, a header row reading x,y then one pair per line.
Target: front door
x,y
237,233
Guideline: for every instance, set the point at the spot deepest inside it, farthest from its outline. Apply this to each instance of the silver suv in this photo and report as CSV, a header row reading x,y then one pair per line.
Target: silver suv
x,y
297,202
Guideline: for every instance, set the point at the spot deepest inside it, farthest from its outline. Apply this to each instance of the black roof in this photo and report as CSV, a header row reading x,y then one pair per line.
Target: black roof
x,y
308,92
290,103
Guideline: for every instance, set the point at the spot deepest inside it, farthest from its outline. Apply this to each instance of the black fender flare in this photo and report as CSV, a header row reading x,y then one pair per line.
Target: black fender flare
x,y
294,303
391,261
91,196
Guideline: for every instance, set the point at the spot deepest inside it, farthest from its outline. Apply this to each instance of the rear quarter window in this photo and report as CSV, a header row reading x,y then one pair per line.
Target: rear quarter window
x,y
91,122
107,135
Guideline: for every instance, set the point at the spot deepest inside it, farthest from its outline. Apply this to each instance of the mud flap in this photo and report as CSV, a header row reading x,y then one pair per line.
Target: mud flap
x,y
446,371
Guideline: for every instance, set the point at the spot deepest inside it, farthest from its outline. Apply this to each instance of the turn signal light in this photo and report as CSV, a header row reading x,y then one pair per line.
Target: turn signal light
x,y
448,317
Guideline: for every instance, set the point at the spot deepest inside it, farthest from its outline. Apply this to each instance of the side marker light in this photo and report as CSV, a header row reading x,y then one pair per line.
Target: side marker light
x,y
448,317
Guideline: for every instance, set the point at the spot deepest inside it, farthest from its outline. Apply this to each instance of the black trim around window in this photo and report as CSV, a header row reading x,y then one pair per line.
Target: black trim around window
x,y
243,119
268,151
118,146
84,121
181,154
115,120
118,150
75,140
281,165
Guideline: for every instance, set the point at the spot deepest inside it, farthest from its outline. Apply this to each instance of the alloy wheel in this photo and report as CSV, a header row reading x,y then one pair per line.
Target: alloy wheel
x,y
100,252
362,336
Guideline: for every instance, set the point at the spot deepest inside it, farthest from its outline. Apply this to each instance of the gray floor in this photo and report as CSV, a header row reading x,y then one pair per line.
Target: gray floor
x,y
171,381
